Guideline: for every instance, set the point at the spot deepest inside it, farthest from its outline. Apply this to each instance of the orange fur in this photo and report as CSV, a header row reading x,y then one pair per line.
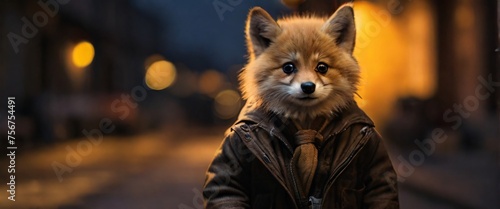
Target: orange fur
x,y
304,41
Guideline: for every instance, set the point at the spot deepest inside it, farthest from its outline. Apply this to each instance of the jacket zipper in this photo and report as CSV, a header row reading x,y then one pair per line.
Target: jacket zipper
x,y
315,202
265,163
345,163
295,186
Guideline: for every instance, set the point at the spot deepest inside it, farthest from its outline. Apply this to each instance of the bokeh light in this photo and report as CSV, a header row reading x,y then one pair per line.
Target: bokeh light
x,y
82,54
160,75
210,82
227,104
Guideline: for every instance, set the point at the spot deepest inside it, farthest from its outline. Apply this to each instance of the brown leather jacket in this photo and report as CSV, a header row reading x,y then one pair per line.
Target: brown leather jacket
x,y
251,169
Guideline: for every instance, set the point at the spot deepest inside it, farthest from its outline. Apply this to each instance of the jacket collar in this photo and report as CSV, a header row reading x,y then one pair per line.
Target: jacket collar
x,y
272,123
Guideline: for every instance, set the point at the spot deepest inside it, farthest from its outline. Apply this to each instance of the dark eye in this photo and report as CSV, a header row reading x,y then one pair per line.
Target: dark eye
x,y
288,68
322,68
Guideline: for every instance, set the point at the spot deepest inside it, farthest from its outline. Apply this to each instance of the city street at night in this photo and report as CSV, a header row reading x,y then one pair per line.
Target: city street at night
x,y
123,104
154,171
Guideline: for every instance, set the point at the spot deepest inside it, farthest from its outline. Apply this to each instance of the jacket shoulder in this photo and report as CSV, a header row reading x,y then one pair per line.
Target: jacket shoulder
x,y
241,130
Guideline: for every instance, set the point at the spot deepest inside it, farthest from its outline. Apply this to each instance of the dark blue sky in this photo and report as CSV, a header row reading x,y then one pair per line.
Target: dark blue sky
x,y
193,33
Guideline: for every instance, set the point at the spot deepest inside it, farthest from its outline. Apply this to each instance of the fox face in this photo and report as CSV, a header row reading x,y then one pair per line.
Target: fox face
x,y
300,66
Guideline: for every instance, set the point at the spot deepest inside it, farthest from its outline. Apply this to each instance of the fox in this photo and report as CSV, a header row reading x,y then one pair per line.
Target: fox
x,y
300,140
309,69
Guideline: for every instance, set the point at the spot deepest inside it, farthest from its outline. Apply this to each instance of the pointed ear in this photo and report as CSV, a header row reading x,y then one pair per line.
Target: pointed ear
x,y
341,27
261,30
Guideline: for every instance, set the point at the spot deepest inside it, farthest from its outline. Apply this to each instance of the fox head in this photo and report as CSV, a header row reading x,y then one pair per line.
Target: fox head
x,y
300,66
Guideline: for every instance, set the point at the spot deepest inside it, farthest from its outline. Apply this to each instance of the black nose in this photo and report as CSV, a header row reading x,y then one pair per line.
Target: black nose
x,y
308,87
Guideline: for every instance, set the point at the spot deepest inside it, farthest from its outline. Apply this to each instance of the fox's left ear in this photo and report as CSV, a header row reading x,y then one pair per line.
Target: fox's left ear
x,y
261,30
342,28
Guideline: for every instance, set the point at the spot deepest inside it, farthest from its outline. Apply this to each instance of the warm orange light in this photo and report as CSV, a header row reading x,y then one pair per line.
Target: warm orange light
x,y
160,75
227,104
82,54
210,82
395,54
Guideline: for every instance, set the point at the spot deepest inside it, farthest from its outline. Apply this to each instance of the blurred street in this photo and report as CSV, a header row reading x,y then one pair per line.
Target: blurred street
x,y
466,180
148,171
154,171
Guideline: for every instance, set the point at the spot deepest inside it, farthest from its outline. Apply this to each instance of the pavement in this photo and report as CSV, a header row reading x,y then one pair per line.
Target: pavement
x,y
158,170
466,180
166,170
